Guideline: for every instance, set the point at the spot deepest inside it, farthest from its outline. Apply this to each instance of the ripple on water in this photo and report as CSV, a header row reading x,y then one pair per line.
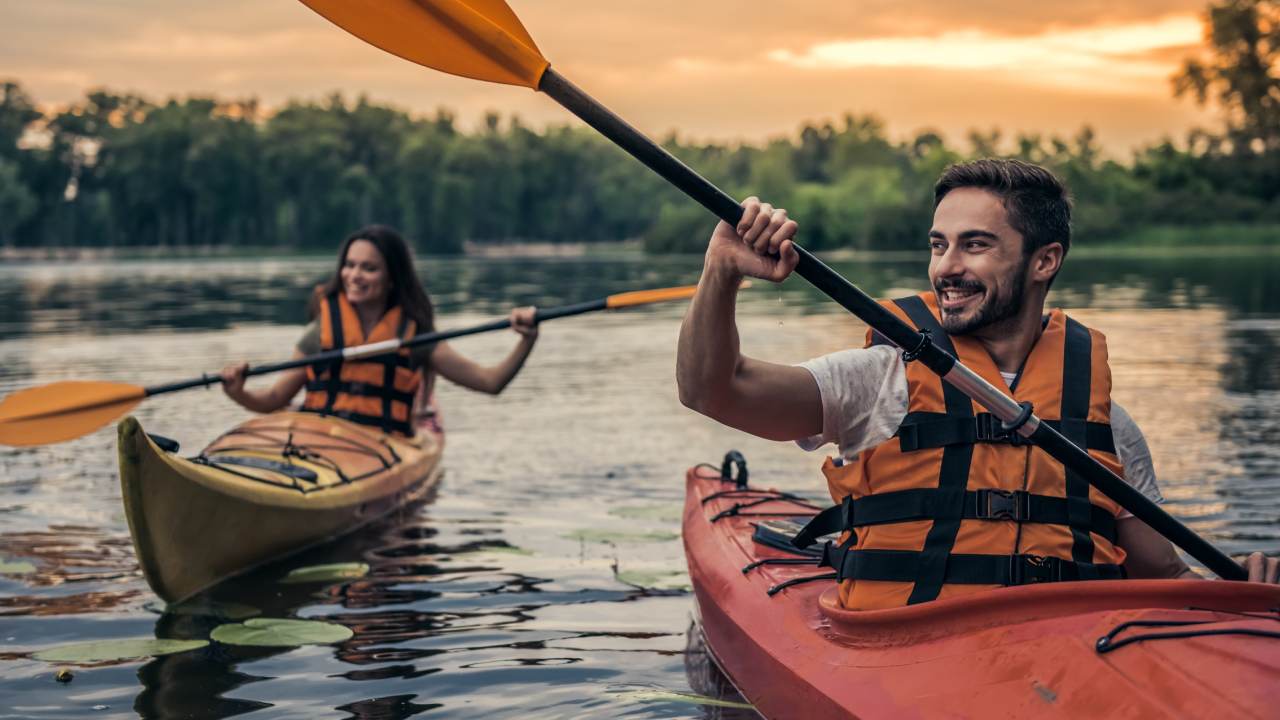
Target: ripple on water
x,y
546,579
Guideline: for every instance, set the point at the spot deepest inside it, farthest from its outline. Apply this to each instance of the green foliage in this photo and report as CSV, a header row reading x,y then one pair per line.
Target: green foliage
x,y
679,228
17,202
17,112
1201,236
1241,71
120,170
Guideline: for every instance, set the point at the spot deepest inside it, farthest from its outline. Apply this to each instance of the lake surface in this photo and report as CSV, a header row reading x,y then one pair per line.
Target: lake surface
x,y
546,577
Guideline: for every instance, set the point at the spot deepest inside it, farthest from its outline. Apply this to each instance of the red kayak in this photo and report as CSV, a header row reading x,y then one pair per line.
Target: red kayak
x,y
1114,648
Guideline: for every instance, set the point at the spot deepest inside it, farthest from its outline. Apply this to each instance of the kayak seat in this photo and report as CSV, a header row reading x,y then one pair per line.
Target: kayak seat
x,y
293,472
780,534
168,445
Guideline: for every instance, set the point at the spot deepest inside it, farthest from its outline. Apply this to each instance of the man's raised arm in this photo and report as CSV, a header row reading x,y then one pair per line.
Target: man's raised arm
x,y
777,402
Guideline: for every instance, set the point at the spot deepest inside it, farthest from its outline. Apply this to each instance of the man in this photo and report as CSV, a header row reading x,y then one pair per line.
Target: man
x,y
1000,233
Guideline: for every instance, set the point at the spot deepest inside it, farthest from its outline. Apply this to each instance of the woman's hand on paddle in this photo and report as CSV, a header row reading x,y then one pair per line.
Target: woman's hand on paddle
x,y
1262,568
233,377
760,245
524,320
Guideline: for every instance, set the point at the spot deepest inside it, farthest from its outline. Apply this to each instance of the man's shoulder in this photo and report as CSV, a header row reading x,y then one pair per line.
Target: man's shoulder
x,y
854,359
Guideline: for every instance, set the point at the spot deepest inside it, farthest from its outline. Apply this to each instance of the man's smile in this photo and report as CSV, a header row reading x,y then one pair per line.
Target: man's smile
x,y
959,297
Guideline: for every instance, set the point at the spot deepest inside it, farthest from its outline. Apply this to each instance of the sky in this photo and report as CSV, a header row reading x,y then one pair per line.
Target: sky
x,y
722,70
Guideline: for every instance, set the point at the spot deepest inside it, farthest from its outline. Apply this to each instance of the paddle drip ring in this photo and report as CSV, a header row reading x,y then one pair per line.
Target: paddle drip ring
x,y
925,343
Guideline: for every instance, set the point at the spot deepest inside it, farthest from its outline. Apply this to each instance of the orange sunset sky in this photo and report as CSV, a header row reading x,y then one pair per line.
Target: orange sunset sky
x,y
709,69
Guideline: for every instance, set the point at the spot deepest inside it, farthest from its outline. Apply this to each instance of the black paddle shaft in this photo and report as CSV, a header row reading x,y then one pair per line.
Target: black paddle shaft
x,y
835,286
416,340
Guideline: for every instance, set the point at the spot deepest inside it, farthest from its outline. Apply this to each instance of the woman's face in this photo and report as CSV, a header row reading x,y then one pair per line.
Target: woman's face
x,y
365,280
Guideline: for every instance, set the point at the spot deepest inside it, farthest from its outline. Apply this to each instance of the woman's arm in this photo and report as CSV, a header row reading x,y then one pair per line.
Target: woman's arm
x,y
454,367
270,399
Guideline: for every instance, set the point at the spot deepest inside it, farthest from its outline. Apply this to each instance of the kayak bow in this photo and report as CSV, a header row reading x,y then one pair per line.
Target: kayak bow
x,y
268,488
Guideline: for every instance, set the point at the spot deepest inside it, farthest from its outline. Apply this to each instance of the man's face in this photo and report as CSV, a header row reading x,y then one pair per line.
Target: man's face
x,y
977,268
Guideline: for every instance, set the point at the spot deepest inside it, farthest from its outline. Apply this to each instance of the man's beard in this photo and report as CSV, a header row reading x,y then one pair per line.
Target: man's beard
x,y
994,309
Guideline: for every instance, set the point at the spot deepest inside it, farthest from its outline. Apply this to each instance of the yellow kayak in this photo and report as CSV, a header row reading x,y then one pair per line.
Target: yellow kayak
x,y
267,488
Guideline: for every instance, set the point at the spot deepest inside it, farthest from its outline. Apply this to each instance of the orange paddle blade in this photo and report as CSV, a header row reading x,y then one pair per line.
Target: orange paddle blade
x,y
63,410
480,39
644,297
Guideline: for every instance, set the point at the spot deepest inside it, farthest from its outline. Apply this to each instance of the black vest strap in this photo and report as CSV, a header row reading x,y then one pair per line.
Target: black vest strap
x,y
920,430
387,394
1077,364
831,520
389,363
929,572
905,566
1017,506
339,341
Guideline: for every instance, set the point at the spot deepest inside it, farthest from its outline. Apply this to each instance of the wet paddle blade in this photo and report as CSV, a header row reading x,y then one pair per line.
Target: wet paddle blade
x,y
479,39
63,410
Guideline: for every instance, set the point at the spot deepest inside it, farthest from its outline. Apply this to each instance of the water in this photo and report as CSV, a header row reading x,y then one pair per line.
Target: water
x,y
545,579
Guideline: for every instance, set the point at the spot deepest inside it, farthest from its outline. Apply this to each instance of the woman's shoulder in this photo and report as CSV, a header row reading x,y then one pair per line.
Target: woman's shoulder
x,y
309,343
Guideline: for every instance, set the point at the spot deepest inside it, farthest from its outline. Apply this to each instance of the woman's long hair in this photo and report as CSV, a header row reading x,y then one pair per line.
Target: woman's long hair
x,y
406,288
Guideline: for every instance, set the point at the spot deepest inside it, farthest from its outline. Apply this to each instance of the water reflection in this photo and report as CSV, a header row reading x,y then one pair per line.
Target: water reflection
x,y
527,588
65,559
201,295
387,708
706,679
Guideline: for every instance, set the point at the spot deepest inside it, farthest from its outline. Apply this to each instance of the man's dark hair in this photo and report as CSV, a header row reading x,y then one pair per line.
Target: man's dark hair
x,y
1037,202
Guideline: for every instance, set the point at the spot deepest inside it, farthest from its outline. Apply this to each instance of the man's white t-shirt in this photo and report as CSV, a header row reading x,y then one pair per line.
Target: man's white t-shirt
x,y
864,399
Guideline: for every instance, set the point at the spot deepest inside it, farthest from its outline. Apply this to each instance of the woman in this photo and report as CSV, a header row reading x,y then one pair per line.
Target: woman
x,y
375,296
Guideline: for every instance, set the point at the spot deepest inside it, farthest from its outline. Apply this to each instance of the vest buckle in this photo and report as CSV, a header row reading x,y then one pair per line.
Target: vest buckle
x,y
1012,505
1034,569
988,428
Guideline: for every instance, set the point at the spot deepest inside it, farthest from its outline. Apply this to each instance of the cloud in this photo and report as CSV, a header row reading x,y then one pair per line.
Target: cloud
x,y
1119,58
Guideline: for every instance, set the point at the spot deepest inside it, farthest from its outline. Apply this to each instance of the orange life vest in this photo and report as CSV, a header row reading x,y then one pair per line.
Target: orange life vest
x,y
953,505
376,391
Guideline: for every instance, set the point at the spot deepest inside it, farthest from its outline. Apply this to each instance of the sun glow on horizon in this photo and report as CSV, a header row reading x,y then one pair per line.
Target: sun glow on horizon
x,y
937,64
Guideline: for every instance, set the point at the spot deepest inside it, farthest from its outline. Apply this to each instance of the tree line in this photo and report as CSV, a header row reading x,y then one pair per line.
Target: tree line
x,y
120,170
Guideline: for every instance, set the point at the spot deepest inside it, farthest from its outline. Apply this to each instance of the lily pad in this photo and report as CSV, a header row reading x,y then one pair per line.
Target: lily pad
x,y
655,580
108,650
327,573
656,695
279,632
16,567
615,537
662,513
